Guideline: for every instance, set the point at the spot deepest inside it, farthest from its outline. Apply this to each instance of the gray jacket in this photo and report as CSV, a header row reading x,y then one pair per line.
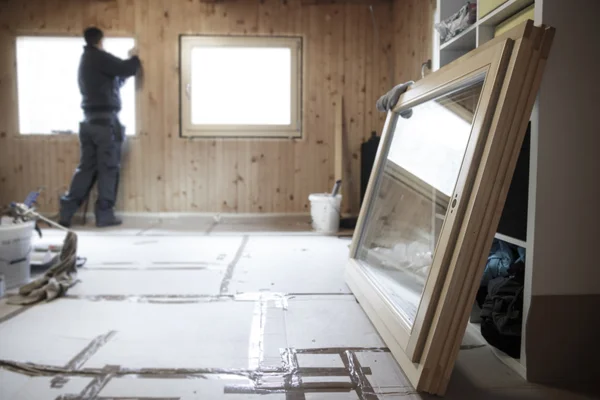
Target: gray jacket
x,y
101,76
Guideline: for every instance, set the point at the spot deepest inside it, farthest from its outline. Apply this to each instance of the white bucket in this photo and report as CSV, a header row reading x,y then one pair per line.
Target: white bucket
x,y
15,252
325,212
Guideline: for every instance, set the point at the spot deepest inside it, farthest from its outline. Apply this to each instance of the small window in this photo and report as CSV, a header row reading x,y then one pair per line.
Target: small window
x,y
48,92
241,86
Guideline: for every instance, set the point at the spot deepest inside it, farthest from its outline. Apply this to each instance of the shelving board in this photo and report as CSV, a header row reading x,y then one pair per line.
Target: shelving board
x,y
464,41
511,240
503,12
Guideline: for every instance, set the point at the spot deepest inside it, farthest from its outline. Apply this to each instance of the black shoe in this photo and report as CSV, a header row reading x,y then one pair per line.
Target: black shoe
x,y
109,222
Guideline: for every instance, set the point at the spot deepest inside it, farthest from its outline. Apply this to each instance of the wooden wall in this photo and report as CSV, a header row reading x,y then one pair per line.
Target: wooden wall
x,y
413,37
347,51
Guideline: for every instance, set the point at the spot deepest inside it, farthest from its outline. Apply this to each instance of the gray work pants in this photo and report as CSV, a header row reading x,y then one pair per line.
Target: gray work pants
x,y
100,161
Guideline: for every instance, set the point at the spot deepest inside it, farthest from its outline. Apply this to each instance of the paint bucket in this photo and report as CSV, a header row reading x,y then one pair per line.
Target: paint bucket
x,y
325,212
15,252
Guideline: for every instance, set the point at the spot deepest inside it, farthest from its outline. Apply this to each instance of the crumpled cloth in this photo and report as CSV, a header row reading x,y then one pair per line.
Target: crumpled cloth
x,y
56,281
457,22
389,100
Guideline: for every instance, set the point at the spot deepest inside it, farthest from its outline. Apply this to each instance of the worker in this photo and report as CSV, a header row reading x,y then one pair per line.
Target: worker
x,y
101,76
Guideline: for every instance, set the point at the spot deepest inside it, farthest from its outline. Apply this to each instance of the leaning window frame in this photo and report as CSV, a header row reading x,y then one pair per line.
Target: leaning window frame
x,y
427,351
190,130
492,63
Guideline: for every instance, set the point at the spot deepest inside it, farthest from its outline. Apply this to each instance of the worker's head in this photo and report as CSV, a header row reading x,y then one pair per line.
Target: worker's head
x,y
93,37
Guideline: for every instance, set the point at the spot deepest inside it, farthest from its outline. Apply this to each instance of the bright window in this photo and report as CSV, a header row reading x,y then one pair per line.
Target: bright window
x,y
241,86
49,98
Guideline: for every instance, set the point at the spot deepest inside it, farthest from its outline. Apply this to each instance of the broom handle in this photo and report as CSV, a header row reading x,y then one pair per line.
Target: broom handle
x,y
27,211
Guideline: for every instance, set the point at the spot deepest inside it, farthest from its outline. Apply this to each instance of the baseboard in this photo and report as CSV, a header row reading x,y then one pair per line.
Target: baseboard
x,y
562,340
167,215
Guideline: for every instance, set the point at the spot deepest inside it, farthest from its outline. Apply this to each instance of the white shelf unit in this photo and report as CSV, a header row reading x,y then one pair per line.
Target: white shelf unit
x,y
472,37
444,53
475,35
559,193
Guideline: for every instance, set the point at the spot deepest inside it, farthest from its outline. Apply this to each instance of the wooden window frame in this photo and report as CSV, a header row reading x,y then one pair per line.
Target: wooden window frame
x,y
514,63
292,130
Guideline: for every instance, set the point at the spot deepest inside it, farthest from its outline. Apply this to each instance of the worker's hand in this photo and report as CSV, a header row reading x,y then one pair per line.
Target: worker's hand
x,y
133,52
389,100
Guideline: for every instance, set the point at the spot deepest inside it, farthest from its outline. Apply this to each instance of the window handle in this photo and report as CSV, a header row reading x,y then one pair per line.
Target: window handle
x,y
188,90
426,64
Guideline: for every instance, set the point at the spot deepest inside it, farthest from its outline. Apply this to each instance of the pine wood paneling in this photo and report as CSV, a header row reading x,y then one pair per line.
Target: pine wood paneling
x,y
413,37
342,55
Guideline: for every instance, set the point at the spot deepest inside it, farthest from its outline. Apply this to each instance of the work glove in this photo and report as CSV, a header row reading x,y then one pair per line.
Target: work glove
x,y
389,100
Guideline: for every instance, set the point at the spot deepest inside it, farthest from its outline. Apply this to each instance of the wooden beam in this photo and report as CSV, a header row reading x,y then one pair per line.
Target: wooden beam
x,y
305,2
326,2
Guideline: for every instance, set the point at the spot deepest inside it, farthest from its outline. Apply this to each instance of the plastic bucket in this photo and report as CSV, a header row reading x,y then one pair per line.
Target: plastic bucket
x,y
325,212
15,252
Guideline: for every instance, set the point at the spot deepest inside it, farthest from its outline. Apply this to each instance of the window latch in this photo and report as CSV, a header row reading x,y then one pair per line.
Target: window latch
x,y
188,90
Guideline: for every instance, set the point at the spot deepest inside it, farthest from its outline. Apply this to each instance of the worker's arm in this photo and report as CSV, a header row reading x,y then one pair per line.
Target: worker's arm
x,y
115,67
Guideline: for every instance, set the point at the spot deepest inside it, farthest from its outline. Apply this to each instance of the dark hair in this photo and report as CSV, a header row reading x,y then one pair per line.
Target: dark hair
x,y
93,36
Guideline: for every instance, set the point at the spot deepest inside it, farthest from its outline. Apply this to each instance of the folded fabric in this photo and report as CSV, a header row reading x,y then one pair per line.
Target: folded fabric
x,y
389,100
500,259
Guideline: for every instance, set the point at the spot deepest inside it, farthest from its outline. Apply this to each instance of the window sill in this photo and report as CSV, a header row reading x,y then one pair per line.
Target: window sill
x,y
60,136
241,134
35,136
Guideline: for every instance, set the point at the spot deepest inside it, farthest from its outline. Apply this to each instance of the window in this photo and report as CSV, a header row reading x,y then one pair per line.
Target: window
x,y
435,196
241,86
49,98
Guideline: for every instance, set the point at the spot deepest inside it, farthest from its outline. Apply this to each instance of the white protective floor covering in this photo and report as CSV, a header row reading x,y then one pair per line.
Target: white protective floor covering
x,y
209,309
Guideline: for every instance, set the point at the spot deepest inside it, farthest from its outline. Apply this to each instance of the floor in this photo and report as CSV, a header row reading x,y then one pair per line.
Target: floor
x,y
218,308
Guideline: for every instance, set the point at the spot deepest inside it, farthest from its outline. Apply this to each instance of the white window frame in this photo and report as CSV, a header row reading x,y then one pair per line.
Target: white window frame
x,y
292,130
130,131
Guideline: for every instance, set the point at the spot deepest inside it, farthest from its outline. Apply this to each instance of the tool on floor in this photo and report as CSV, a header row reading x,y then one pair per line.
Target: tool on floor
x,y
62,275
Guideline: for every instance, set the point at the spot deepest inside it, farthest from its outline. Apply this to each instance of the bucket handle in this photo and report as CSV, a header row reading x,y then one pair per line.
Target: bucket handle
x,y
18,260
